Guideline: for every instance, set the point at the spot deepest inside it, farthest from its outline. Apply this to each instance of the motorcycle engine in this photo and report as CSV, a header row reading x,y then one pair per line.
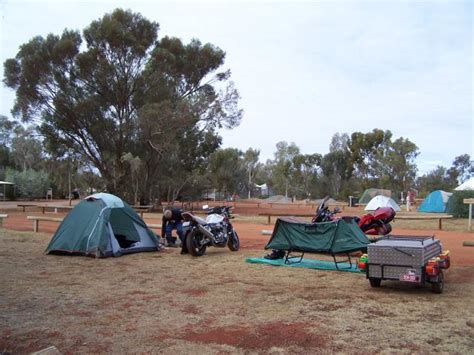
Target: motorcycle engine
x,y
219,233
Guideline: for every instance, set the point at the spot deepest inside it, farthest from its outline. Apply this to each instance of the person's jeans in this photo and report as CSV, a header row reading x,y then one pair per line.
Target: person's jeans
x,y
179,230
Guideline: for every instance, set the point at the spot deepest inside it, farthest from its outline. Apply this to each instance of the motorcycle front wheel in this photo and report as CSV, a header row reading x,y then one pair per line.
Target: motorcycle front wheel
x,y
233,242
193,242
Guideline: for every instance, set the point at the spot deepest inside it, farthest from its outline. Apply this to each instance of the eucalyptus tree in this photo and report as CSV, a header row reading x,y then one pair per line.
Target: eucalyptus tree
x,y
306,173
283,168
462,168
250,161
227,171
117,89
7,129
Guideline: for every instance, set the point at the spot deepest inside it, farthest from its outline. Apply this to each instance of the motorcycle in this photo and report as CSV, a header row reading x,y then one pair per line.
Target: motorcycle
x,y
324,214
216,230
375,223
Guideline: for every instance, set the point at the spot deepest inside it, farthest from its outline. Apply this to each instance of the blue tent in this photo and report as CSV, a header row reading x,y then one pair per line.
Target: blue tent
x,y
436,201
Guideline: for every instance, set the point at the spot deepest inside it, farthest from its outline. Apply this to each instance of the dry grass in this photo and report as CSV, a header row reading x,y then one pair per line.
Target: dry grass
x,y
454,224
164,302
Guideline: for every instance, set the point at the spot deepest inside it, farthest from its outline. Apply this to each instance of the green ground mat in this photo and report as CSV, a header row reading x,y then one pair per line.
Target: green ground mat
x,y
308,264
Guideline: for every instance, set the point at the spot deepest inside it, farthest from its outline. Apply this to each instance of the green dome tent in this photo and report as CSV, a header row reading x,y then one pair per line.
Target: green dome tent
x,y
369,194
102,225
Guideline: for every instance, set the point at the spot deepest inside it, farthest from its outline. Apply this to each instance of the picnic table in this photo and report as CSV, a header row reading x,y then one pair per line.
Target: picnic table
x,y
269,215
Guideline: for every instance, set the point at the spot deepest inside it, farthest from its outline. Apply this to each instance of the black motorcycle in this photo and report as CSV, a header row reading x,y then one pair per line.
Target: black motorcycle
x,y
323,213
216,230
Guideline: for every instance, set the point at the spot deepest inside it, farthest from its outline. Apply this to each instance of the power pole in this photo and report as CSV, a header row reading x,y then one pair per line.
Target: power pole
x,y
250,181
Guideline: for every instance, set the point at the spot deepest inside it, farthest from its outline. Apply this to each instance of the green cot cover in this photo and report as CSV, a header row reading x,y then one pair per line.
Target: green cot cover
x,y
336,237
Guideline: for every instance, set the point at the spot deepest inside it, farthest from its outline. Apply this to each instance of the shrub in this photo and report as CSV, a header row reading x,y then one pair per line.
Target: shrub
x,y
456,206
29,183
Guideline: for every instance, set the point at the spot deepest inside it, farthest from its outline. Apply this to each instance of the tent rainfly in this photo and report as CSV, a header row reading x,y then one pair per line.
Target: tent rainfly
x,y
466,185
435,202
382,201
102,225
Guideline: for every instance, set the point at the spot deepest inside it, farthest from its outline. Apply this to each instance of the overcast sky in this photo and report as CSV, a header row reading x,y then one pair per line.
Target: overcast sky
x,y
307,70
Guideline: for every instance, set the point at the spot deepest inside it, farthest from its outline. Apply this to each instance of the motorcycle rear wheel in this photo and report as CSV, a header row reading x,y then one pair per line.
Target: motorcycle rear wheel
x,y
193,243
233,242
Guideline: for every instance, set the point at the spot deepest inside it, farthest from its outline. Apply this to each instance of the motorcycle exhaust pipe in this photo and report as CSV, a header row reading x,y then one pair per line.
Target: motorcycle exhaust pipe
x,y
206,232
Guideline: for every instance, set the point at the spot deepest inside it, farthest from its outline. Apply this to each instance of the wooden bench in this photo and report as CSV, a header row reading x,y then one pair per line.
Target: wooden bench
x,y
142,209
56,208
24,206
37,219
425,217
2,216
44,207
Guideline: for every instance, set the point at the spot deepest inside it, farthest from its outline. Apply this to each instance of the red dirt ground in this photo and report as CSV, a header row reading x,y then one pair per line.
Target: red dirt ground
x,y
219,304
252,238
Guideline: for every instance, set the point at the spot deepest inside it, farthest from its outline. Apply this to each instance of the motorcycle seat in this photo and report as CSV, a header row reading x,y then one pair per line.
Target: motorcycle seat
x,y
200,220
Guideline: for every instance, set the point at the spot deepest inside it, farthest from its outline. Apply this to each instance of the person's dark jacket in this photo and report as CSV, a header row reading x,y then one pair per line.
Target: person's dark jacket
x,y
176,217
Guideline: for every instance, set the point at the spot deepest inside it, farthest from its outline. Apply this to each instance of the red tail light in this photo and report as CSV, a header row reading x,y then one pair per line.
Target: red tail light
x,y
431,268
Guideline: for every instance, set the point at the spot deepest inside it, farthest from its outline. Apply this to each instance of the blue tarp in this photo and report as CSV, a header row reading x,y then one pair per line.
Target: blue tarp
x,y
307,264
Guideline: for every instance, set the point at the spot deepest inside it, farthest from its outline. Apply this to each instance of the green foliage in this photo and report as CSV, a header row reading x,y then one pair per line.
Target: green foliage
x,y
456,206
227,171
306,173
367,149
380,162
29,183
7,132
437,179
397,166
123,91
461,169
251,165
283,168
26,149
441,178
335,171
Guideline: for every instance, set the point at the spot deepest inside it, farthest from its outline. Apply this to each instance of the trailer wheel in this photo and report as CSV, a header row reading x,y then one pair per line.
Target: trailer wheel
x,y
437,287
375,282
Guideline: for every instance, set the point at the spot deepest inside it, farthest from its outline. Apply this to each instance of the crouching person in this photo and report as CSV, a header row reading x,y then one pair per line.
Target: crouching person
x,y
172,219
